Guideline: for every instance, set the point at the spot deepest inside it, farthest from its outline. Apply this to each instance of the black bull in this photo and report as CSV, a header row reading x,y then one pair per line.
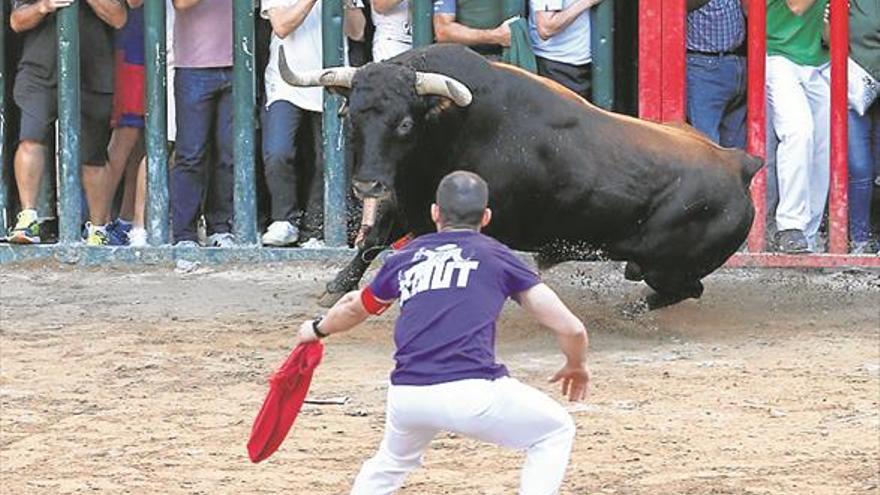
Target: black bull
x,y
563,174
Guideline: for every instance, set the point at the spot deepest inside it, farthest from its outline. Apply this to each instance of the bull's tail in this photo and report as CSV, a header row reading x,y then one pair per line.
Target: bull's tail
x,y
750,166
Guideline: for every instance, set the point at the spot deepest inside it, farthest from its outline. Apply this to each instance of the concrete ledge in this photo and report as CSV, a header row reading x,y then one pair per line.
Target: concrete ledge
x,y
91,255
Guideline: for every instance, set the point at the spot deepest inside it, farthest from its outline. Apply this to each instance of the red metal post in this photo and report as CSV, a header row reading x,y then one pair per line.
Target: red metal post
x,y
757,118
650,59
838,205
674,78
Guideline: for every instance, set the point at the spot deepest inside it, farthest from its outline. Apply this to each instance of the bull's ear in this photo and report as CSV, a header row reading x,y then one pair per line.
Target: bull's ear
x,y
438,107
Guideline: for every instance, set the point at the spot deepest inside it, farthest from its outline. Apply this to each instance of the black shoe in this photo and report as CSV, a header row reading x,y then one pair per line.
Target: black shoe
x,y
792,241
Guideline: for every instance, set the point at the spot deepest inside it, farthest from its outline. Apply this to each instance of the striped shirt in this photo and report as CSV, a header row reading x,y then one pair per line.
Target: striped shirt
x,y
718,26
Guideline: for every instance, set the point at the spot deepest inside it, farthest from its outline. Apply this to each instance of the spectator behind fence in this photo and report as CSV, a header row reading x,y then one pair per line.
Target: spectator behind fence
x,y
716,70
799,106
203,96
560,34
864,128
476,23
296,26
35,93
393,23
126,150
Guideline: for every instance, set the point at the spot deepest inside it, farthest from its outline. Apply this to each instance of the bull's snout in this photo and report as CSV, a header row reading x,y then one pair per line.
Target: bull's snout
x,y
369,189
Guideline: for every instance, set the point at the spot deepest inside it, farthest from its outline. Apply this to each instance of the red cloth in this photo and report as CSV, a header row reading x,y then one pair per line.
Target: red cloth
x,y
287,391
371,304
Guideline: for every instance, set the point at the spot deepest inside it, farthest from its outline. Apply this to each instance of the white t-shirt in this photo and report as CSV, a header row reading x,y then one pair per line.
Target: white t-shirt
x,y
393,32
304,52
571,45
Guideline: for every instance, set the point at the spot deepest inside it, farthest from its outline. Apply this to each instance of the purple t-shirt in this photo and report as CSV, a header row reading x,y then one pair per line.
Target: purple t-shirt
x,y
452,287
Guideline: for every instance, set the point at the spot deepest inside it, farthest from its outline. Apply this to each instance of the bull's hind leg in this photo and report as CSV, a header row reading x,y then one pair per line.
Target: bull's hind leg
x,y
671,289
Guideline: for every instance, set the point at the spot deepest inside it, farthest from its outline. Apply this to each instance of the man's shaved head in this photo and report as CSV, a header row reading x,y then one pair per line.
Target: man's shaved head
x,y
462,198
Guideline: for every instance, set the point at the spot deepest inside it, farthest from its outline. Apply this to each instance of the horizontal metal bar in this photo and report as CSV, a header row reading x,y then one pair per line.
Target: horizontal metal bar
x,y
88,255
152,255
775,260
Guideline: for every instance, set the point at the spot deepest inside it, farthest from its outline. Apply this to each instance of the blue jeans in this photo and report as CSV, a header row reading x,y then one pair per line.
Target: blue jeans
x,y
286,129
716,97
864,158
204,130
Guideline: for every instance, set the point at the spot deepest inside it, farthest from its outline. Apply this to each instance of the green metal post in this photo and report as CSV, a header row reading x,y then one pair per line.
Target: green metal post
x,y
602,43
244,123
157,123
335,211
69,184
5,216
422,22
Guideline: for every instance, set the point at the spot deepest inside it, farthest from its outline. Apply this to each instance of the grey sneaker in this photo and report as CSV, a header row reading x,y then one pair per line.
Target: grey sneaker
x,y
863,247
187,244
792,241
224,240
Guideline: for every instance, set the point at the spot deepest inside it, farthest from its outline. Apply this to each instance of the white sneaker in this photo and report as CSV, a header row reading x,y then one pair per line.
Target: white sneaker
x,y
281,233
313,243
137,237
224,240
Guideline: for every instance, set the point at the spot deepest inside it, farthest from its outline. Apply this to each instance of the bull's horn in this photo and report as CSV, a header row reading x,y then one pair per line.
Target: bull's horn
x,y
429,83
336,76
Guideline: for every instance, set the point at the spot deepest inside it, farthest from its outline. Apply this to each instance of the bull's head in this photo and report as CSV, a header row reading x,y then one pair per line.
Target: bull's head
x,y
389,107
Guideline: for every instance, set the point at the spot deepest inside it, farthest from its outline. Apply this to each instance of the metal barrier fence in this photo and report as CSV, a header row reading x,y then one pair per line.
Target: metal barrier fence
x,y
70,247
662,97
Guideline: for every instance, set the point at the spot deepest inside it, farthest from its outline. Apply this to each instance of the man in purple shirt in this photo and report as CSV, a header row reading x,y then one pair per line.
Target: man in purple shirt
x,y
452,286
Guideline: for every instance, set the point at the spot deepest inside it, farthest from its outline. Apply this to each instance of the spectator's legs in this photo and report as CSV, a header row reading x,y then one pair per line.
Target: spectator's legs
x,y
733,123
793,122
281,121
574,77
711,86
30,160
313,223
94,140
219,209
193,92
861,178
125,149
818,91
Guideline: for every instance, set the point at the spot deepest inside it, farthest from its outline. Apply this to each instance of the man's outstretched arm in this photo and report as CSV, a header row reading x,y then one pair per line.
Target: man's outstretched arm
x,y
545,306
347,313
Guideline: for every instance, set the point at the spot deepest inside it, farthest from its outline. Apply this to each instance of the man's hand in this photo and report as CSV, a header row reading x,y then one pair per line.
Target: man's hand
x,y
49,6
575,381
502,35
306,333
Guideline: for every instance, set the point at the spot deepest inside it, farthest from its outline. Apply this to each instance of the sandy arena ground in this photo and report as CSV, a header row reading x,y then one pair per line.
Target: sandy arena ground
x,y
145,380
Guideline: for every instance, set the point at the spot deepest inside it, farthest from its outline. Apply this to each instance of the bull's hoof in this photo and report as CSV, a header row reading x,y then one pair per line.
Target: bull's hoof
x,y
633,272
328,299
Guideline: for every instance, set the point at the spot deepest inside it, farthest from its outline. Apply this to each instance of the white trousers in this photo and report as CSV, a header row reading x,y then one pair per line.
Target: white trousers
x,y
503,412
798,101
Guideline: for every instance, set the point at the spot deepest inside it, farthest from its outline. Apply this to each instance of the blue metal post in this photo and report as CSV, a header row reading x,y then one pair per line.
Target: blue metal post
x,y
335,211
422,22
5,215
602,43
156,123
243,91
69,183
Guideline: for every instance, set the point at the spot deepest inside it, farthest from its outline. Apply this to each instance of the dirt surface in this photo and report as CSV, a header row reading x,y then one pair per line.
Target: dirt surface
x,y
146,380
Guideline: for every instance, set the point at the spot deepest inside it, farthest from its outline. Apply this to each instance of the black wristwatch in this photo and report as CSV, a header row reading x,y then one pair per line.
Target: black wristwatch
x,y
317,331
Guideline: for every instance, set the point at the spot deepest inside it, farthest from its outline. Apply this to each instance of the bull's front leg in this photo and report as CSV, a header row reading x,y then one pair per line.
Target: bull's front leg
x,y
378,228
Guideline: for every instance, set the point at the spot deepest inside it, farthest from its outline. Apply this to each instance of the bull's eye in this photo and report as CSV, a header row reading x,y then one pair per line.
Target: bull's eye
x,y
405,126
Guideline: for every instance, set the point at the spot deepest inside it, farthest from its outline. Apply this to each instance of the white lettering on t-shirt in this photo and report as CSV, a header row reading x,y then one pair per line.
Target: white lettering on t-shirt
x,y
435,269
